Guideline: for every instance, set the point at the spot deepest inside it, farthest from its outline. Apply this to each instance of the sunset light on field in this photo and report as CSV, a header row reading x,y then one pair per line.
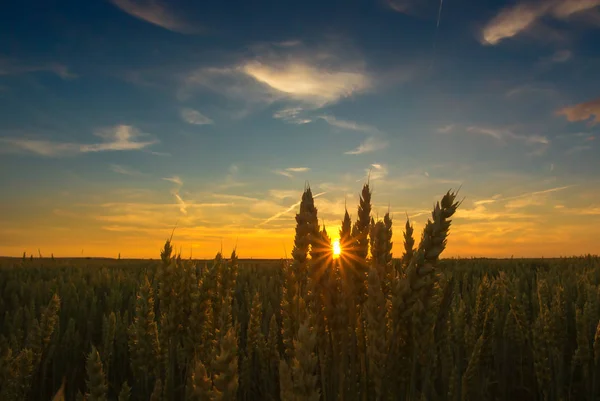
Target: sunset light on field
x,y
300,200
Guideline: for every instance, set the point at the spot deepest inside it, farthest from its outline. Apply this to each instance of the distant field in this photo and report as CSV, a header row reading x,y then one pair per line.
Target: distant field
x,y
515,329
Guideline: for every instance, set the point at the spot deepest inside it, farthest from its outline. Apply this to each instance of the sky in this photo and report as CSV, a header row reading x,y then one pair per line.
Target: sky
x,y
121,119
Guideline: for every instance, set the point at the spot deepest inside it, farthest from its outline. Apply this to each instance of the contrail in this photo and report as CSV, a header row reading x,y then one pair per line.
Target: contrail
x,y
437,28
439,14
288,209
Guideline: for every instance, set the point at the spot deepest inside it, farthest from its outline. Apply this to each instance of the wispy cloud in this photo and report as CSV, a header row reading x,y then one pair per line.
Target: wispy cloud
x,y
14,67
305,78
284,193
290,171
183,205
583,112
302,81
445,129
287,210
419,8
349,125
401,6
117,168
504,134
585,211
234,197
533,198
194,117
231,179
532,89
155,12
118,138
174,179
377,171
292,115
371,144
516,19
578,149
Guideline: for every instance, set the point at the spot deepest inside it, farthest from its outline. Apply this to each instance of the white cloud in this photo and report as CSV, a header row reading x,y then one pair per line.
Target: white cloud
x,y
305,78
290,171
349,125
371,144
194,117
514,20
292,115
124,170
283,173
121,137
154,12
377,171
504,134
182,205
117,138
300,80
174,179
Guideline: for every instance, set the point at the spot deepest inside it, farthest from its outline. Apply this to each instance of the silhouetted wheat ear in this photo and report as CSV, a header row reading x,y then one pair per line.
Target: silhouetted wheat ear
x,y
418,273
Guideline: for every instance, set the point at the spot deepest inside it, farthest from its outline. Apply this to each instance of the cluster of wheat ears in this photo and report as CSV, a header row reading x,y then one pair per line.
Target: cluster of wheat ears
x,y
362,327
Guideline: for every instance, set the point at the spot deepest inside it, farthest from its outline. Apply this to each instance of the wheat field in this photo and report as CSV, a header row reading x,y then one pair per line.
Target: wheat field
x,y
366,326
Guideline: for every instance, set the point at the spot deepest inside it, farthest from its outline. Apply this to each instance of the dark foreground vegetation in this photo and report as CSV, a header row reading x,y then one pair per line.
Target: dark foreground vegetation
x,y
364,327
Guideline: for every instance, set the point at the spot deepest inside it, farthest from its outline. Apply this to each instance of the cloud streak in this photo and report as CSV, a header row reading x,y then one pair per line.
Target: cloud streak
x,y
116,168
306,79
292,115
348,125
174,179
118,138
369,145
300,80
289,209
290,171
514,20
12,67
194,117
503,135
154,12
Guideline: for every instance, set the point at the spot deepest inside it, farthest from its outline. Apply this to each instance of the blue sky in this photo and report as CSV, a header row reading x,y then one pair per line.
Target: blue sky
x,y
120,118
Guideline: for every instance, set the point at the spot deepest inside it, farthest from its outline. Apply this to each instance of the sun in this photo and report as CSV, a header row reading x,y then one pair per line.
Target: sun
x,y
337,249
